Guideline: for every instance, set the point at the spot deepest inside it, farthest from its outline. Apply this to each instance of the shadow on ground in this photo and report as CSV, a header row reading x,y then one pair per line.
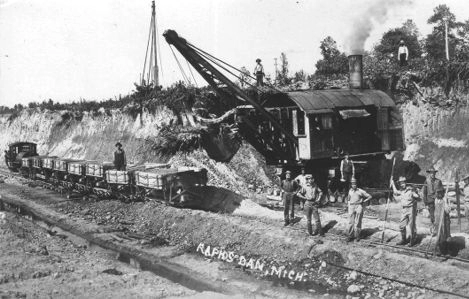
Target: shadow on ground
x,y
215,199
455,244
367,232
329,225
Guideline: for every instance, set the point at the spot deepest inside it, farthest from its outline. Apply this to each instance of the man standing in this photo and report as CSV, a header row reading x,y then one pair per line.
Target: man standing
x,y
311,193
289,188
347,172
259,72
408,199
356,199
432,190
442,223
301,180
403,54
120,161
7,158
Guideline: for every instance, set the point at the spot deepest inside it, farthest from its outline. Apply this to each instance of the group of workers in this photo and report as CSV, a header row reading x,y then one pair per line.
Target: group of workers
x,y
309,194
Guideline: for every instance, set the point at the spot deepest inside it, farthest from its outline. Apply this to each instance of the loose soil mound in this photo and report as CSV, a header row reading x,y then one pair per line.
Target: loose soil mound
x,y
267,239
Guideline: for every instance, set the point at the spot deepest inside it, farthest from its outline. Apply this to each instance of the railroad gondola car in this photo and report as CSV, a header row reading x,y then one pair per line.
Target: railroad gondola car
x,y
176,186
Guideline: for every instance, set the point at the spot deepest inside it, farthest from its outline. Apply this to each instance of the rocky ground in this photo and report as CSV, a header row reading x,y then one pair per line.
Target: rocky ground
x,y
333,267
35,263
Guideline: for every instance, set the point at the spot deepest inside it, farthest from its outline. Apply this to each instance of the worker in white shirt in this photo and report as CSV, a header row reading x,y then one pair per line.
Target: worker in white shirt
x,y
259,72
347,172
403,54
301,180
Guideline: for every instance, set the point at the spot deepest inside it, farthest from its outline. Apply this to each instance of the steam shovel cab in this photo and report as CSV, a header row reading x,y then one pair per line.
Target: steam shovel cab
x,y
17,151
327,123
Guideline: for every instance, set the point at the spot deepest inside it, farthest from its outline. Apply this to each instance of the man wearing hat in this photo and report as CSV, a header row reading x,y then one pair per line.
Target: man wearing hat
x,y
259,72
289,188
403,54
356,199
311,194
408,199
432,189
301,180
120,161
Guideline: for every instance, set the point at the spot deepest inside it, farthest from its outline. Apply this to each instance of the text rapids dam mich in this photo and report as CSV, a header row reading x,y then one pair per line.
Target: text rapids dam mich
x,y
280,271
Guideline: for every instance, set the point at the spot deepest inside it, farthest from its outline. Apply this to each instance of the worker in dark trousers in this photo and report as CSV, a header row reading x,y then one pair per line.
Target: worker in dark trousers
x,y
356,200
311,194
403,54
120,161
347,172
408,199
301,180
289,188
433,189
259,72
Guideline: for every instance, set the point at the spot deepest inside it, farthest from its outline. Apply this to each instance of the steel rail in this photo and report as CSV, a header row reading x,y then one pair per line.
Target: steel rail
x,y
363,241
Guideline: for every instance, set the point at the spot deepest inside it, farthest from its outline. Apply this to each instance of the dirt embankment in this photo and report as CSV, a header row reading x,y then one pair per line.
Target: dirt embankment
x,y
437,136
92,136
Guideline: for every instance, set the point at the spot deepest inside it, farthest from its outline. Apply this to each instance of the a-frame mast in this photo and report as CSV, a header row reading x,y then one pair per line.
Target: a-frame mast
x,y
155,68
150,75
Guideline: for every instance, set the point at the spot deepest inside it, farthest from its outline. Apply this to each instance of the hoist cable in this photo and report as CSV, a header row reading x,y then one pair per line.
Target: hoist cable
x,y
159,49
200,51
179,64
192,74
146,54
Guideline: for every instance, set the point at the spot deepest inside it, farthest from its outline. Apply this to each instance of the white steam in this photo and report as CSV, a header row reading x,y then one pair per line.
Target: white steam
x,y
371,12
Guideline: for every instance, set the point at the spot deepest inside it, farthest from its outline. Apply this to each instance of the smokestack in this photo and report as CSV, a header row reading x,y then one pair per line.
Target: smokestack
x,y
355,66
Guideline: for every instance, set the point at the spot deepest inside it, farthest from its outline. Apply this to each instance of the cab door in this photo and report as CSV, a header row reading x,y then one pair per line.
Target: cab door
x,y
321,131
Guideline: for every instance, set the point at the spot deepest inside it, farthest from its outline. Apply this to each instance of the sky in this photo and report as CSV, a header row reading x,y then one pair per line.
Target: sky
x,y
94,49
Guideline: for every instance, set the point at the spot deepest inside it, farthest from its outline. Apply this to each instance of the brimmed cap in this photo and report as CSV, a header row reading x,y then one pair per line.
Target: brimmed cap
x,y
432,169
118,144
258,60
353,180
402,179
402,41
288,171
309,176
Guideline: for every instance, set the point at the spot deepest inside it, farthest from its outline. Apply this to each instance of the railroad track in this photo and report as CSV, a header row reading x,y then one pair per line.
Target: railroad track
x,y
374,242
410,251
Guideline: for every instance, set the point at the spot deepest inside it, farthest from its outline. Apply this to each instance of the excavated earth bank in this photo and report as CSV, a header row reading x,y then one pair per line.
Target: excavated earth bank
x,y
241,226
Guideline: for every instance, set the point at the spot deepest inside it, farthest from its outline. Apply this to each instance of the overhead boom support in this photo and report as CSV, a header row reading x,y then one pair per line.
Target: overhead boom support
x,y
216,79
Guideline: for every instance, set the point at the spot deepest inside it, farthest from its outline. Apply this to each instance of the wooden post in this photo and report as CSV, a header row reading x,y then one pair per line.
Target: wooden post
x,y
458,203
